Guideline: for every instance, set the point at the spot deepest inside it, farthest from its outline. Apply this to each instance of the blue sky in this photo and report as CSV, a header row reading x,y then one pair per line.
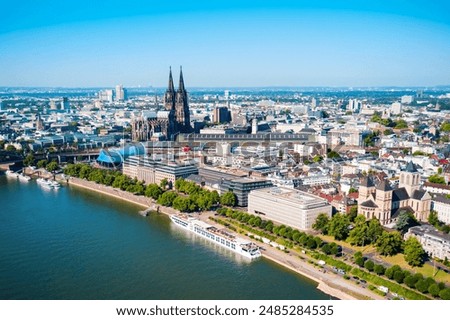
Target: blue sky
x,y
225,43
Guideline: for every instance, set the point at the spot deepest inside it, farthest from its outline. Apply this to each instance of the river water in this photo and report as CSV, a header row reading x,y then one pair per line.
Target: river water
x,y
76,244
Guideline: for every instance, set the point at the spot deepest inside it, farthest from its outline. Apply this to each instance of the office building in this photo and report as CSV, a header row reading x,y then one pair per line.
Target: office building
x,y
290,207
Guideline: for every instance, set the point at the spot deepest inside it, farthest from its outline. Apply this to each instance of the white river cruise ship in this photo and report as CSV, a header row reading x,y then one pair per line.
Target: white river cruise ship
x,y
221,237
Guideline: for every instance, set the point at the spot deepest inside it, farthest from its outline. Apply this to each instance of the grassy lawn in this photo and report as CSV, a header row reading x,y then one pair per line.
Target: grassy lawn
x,y
365,249
426,270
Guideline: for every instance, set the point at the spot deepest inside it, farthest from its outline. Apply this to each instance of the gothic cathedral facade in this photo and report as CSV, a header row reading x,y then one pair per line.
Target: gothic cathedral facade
x,y
166,124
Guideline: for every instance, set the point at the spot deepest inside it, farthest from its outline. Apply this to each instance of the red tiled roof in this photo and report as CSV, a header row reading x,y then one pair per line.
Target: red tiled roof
x,y
353,195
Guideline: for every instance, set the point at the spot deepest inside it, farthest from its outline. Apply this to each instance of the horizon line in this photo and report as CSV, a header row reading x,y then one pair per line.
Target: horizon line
x,y
234,87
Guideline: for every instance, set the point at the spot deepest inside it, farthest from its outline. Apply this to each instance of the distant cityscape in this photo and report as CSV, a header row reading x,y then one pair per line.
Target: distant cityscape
x,y
290,155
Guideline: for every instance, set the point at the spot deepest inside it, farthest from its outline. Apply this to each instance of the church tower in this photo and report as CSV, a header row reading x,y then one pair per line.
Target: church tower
x,y
182,107
383,199
410,179
169,96
366,189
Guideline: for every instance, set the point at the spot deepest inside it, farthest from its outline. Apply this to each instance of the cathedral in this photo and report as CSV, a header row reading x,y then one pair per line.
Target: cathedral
x,y
168,123
384,203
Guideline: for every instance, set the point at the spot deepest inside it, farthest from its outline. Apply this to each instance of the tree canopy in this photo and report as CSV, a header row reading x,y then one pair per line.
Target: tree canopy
x,y
405,221
435,178
389,243
414,253
321,223
228,199
338,226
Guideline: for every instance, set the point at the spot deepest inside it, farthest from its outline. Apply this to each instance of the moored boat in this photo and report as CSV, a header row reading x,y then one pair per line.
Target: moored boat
x,y
44,183
11,174
219,236
24,178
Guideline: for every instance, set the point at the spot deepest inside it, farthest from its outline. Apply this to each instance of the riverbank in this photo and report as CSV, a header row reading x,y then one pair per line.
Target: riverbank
x,y
328,283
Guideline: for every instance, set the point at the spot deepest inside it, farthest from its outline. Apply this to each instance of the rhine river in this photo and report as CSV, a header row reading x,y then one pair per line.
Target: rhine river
x,y
75,244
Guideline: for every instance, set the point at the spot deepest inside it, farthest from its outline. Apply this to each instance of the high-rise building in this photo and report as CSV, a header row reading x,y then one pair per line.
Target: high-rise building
x,y
65,105
121,93
106,95
221,115
53,105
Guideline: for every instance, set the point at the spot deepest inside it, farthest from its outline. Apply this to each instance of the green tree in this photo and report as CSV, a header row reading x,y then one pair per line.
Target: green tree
x,y
167,198
311,244
184,204
369,265
445,126
434,290
326,249
359,234
405,221
401,124
389,243
435,178
85,171
399,275
180,184
228,199
379,269
334,248
422,286
321,223
317,158
29,160
411,280
163,183
333,154
445,294
433,218
375,230
359,261
338,226
153,191
42,163
389,273
353,209
97,176
52,166
414,253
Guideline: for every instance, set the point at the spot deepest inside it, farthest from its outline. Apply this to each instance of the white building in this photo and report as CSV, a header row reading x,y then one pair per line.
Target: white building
x,y
106,95
436,244
316,180
441,205
337,137
303,150
120,93
407,99
396,108
291,207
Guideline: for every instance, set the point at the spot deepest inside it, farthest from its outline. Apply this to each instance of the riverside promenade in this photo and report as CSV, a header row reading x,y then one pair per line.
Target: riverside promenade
x,y
329,283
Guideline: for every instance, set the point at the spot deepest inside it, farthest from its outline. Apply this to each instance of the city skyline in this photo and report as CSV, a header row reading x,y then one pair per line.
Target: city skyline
x,y
226,44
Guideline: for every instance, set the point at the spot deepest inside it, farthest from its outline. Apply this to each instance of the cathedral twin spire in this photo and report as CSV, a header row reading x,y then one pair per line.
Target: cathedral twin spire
x,y
178,102
171,87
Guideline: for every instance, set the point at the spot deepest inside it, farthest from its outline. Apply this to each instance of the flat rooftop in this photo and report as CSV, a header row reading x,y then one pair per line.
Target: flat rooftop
x,y
292,195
